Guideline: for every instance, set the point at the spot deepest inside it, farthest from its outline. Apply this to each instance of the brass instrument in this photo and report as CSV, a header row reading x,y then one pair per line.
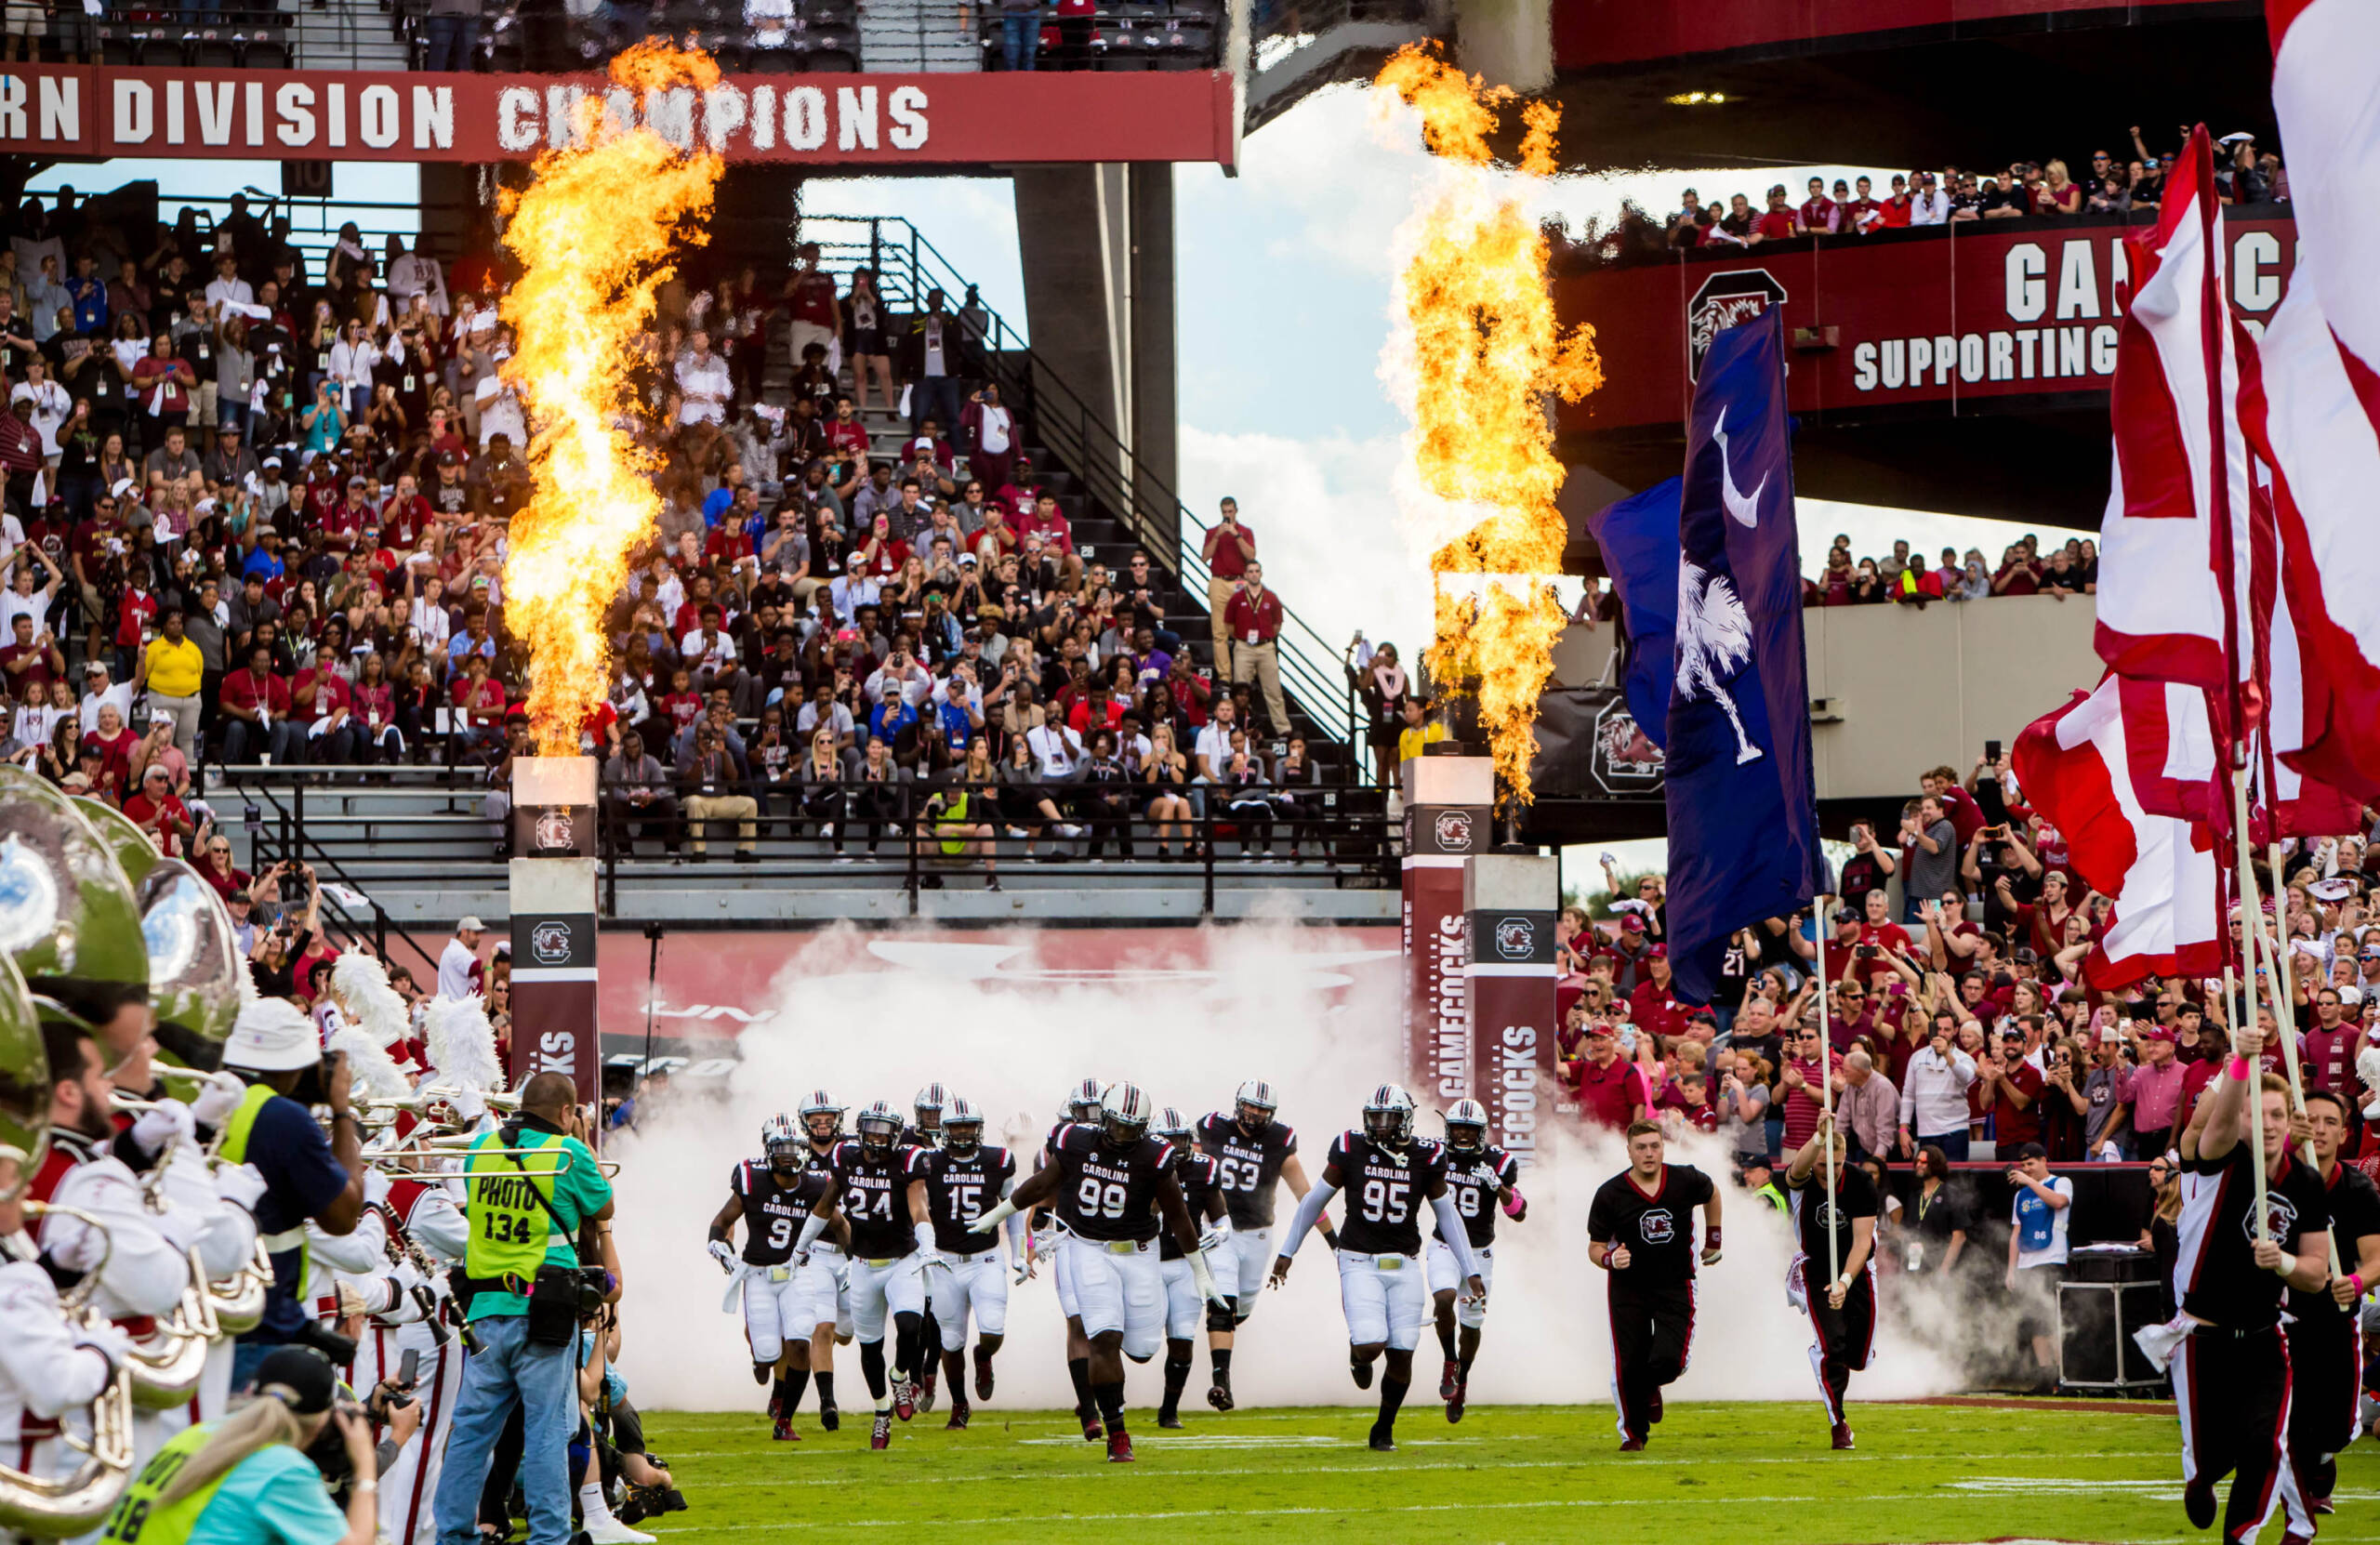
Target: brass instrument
x,y
62,1506
451,1145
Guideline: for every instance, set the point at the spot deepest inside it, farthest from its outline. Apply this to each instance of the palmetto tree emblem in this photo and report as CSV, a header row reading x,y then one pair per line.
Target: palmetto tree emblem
x,y
1713,631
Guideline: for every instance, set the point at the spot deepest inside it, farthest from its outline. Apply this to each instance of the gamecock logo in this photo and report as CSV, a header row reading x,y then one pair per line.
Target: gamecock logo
x,y
551,944
1725,300
1659,1226
2280,1218
1516,938
555,829
1454,831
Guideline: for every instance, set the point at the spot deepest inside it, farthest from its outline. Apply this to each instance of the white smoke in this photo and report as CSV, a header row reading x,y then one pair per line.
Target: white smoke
x,y
1275,1006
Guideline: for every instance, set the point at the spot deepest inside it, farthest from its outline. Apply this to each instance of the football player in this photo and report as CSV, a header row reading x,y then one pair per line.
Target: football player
x,y
1253,1154
964,1179
2325,1363
1200,1178
829,1269
780,1314
877,1186
1640,1230
1388,1173
924,1131
1843,1312
1047,1234
1111,1184
1481,1177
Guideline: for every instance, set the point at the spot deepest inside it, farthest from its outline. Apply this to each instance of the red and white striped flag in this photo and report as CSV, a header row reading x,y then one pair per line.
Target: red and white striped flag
x,y
2076,768
2312,404
2172,540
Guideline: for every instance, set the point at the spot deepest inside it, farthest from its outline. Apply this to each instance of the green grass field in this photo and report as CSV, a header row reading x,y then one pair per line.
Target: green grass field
x,y
1718,1472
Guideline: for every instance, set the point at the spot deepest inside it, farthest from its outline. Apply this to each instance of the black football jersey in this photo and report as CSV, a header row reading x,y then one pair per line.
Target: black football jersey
x,y
774,1213
1855,1197
1199,1177
876,1199
959,1190
1386,1189
2216,1273
1248,1168
2354,1203
1105,1194
1657,1229
1474,1179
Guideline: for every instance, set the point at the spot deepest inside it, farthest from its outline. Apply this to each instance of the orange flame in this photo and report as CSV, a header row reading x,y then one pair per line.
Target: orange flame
x,y
594,233
1477,356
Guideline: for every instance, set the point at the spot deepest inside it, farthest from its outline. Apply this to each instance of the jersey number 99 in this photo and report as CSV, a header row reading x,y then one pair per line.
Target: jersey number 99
x,y
1101,1201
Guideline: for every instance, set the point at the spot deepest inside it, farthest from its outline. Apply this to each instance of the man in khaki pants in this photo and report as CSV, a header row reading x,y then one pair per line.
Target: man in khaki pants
x,y
1254,615
712,782
1228,549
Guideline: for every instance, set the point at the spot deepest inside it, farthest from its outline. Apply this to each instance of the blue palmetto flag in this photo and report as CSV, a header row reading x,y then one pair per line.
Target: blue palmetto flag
x,y
1742,800
1638,539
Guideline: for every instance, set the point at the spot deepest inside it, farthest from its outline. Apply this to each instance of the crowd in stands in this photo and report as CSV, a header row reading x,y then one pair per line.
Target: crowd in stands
x,y
256,513
2110,182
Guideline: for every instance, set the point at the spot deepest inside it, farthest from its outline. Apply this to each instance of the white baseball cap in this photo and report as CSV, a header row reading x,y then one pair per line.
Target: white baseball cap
x,y
471,925
273,1035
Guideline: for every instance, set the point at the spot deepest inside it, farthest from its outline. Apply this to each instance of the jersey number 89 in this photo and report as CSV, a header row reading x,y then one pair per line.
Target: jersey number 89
x,y
1385,1203
1101,1201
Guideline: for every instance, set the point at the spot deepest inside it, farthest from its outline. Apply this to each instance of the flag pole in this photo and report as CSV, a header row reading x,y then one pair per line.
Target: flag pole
x,y
1826,1097
2284,993
2251,938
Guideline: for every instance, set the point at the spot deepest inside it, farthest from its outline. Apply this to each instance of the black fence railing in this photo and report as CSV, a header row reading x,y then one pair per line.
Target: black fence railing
x,y
390,828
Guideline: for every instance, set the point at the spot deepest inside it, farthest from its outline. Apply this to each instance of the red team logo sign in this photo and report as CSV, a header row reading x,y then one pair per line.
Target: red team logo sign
x,y
551,944
1454,831
1516,938
1659,1226
1725,300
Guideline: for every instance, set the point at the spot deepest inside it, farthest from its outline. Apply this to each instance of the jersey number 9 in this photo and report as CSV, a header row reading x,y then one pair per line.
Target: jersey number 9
x,y
1098,1201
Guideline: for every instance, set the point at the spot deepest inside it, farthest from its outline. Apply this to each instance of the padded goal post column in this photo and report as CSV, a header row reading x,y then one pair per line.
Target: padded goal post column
x,y
1511,905
1448,805
552,878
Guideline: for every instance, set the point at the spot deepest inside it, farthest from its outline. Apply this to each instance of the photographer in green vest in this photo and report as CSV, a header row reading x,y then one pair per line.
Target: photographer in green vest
x,y
246,1480
540,1257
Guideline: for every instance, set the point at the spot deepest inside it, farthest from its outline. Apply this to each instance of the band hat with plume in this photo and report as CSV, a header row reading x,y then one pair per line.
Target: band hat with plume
x,y
376,1072
462,1045
273,1035
362,983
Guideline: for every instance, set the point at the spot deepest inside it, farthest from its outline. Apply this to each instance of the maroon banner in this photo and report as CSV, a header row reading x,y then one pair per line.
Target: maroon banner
x,y
825,120
1976,314
1588,34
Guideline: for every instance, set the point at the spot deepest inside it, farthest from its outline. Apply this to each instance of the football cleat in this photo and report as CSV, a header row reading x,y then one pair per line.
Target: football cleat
x,y
1843,1435
1631,1444
958,1415
925,1388
983,1375
784,1431
1449,1379
1171,1420
1092,1429
829,1418
905,1398
1219,1395
1362,1372
1383,1440
1119,1448
881,1437
1466,1126
1655,1413
1388,1116
2321,1505
1454,1406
